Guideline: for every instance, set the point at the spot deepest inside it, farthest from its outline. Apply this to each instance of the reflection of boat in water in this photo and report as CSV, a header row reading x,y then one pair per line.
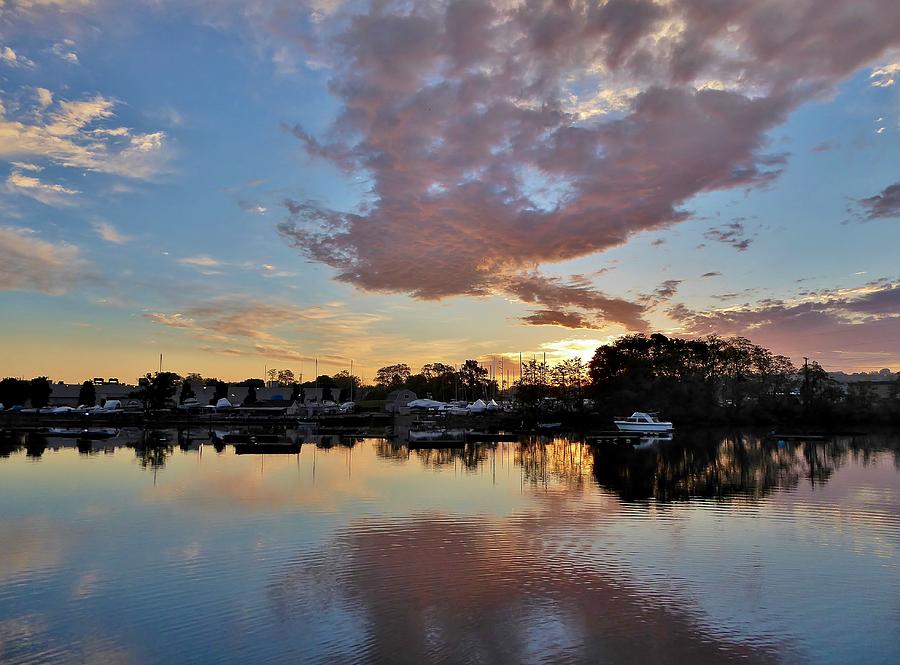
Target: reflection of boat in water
x,y
639,421
88,433
249,437
491,436
270,448
437,437
646,442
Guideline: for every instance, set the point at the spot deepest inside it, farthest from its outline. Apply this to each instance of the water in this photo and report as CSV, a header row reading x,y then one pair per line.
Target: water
x,y
702,549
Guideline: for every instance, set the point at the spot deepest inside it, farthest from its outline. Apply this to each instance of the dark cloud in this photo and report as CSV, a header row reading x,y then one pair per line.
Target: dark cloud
x,y
546,317
454,111
824,146
711,274
885,204
730,234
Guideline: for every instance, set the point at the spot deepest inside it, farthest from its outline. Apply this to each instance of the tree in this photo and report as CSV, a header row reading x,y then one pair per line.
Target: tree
x,y
285,377
157,390
392,376
14,392
220,392
569,378
532,386
40,392
473,377
87,395
187,392
298,394
327,395
251,396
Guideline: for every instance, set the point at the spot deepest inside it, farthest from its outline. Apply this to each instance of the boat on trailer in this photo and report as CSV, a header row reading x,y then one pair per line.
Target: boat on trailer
x,y
641,421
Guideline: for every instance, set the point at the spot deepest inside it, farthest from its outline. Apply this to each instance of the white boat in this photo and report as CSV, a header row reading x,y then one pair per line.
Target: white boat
x,y
643,422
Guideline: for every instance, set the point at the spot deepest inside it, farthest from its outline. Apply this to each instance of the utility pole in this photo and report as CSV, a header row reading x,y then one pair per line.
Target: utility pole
x,y
805,383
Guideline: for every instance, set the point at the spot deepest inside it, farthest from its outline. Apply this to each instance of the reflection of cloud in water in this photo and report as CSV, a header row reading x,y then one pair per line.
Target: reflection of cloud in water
x,y
436,587
29,546
31,638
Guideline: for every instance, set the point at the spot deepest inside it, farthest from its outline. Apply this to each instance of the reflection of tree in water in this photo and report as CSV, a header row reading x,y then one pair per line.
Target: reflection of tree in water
x,y
35,445
387,449
469,455
566,462
86,447
10,442
714,467
152,449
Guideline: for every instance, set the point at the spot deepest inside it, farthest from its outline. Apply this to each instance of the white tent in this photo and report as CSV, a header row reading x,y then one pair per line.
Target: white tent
x,y
112,405
477,406
223,404
293,409
492,405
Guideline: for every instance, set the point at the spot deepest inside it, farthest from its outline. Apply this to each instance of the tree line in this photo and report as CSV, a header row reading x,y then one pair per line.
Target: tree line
x,y
706,380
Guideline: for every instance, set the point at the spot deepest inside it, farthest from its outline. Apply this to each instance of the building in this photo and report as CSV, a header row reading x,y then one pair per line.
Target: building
x,y
397,401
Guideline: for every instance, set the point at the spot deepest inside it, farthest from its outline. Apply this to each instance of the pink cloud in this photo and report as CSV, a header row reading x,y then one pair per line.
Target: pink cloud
x,y
841,330
456,110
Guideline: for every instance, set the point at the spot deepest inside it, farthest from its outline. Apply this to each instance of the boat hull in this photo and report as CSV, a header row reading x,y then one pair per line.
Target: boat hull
x,y
643,427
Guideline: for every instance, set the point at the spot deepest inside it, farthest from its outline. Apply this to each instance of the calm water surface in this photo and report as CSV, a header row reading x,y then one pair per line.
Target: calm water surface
x,y
702,549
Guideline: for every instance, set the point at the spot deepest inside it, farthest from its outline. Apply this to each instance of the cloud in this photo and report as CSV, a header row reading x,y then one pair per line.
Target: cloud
x,y
45,97
200,261
483,167
839,327
10,57
252,207
886,76
554,293
109,233
32,187
546,317
713,273
730,234
264,328
667,289
71,133
885,204
64,51
824,146
28,263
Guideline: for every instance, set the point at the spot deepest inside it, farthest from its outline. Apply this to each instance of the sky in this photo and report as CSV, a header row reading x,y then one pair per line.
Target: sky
x,y
248,185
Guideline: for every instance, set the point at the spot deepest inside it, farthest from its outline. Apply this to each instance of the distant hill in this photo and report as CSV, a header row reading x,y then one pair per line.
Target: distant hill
x,y
880,375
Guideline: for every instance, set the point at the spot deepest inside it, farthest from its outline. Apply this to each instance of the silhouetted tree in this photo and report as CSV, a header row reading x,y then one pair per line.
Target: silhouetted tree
x,y
393,376
14,392
187,392
251,395
87,395
220,392
158,390
40,392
